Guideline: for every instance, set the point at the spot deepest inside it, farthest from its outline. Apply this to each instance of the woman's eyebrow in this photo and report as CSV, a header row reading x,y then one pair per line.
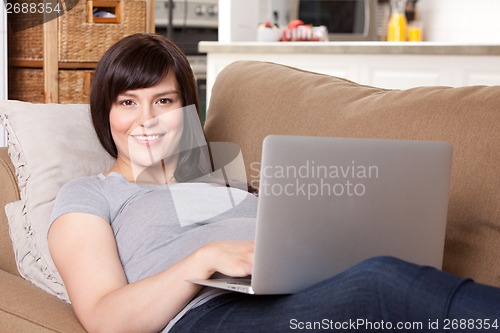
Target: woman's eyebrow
x,y
126,94
166,92
162,93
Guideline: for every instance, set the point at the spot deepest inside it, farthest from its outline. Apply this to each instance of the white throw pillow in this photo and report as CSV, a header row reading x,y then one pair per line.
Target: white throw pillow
x,y
49,144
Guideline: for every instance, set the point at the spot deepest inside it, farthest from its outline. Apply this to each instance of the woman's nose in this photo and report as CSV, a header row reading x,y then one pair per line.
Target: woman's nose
x,y
150,122
148,118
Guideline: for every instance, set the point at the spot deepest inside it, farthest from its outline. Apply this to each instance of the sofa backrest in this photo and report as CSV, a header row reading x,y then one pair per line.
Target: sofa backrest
x,y
253,99
8,192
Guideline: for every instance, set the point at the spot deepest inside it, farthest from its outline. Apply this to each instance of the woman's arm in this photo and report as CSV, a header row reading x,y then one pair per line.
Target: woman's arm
x,y
84,250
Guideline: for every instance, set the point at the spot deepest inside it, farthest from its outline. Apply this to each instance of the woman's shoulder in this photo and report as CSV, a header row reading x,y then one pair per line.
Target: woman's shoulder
x,y
84,183
84,195
111,190
100,183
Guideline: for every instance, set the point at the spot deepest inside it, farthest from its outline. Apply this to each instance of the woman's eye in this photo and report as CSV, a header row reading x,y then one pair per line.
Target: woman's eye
x,y
165,101
126,102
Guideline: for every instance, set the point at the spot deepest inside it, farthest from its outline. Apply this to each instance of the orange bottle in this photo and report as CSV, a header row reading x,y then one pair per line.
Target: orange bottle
x,y
397,26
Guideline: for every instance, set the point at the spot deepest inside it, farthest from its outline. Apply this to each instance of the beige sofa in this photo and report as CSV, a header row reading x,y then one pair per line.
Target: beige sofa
x,y
252,99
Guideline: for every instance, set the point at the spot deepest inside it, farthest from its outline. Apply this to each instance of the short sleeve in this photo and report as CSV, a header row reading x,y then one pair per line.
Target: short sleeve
x,y
83,195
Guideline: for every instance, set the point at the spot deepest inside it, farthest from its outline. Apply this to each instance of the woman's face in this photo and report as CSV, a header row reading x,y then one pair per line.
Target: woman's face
x,y
147,124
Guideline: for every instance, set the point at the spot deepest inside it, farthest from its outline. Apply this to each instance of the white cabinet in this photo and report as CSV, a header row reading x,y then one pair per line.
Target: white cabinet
x,y
372,64
402,72
405,71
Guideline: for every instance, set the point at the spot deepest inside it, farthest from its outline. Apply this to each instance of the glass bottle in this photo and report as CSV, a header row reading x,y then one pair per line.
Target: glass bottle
x,y
415,25
396,30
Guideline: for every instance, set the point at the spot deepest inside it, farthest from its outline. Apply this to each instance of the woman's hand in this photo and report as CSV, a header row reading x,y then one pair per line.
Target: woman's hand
x,y
231,258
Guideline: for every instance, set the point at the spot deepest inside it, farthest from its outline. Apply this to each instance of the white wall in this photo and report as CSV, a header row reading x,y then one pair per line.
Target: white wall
x,y
3,65
460,21
238,20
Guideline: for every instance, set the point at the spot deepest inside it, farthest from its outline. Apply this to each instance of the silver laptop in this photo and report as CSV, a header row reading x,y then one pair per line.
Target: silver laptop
x,y
326,204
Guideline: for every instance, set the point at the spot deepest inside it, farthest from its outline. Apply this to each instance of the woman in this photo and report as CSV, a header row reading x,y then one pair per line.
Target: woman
x,y
125,253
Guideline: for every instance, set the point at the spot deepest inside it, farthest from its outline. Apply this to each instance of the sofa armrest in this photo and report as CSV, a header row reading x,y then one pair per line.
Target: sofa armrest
x,y
26,308
8,192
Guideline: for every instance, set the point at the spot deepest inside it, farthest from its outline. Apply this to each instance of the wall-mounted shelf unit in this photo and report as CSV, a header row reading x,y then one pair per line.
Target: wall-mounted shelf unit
x,y
53,62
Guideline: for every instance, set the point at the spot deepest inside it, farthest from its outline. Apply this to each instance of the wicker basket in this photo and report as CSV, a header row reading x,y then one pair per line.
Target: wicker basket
x,y
81,41
26,84
74,85
26,44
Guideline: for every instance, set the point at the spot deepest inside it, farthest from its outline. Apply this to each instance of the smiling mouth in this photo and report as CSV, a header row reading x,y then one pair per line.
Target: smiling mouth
x,y
148,139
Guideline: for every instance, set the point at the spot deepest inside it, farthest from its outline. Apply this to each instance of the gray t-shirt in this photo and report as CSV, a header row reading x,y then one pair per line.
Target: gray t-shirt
x,y
157,226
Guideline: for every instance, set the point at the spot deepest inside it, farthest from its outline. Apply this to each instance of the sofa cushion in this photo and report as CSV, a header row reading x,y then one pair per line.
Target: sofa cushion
x,y
8,193
26,308
49,144
253,99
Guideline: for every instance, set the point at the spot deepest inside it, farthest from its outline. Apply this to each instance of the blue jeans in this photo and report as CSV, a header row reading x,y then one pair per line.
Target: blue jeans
x,y
381,294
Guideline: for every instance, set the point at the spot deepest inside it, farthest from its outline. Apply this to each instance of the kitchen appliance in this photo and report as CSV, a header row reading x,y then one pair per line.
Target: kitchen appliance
x,y
192,22
346,20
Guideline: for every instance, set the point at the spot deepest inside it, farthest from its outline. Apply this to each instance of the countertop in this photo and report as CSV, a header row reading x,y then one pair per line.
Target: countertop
x,y
400,48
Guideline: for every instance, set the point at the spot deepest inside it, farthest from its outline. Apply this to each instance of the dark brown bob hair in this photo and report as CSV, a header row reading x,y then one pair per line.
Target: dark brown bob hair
x,y
139,61
136,61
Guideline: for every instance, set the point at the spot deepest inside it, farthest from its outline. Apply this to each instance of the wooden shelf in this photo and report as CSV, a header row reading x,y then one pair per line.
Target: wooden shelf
x,y
55,61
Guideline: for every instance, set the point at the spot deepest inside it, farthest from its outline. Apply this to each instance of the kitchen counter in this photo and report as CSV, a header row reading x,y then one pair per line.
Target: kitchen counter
x,y
396,48
391,65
